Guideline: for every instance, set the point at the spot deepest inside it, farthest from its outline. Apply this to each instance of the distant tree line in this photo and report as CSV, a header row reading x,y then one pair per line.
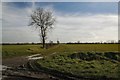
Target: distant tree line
x,y
19,43
52,43
92,43
27,43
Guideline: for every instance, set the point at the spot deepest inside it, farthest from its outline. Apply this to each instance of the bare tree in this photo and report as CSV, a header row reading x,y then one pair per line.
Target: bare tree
x,y
43,20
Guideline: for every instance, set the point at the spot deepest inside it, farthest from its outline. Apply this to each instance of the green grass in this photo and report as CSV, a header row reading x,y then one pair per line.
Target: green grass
x,y
21,50
62,62
93,47
102,67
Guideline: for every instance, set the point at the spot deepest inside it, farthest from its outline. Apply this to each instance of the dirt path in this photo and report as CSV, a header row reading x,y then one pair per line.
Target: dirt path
x,y
15,61
20,72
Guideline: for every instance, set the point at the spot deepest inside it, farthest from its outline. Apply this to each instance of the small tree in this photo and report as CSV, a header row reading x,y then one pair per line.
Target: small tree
x,y
43,20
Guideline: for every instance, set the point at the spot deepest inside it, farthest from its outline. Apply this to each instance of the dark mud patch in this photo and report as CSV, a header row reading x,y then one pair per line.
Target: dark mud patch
x,y
19,78
15,61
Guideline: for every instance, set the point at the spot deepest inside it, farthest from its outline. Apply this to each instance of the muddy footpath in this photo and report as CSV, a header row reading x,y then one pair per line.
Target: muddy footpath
x,y
16,69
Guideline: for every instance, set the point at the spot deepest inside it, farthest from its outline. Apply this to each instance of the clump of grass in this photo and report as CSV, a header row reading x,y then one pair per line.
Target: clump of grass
x,y
88,56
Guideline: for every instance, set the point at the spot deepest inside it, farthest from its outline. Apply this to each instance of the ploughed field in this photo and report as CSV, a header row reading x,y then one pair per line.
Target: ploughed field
x,y
72,61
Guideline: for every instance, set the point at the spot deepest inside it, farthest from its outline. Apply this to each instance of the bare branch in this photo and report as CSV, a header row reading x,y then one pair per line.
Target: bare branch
x,y
42,20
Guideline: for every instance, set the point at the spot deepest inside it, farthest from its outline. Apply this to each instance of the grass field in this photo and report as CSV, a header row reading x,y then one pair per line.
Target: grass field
x,y
62,58
21,50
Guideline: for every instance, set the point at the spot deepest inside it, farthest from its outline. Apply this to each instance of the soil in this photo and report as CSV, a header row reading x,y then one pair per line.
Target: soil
x,y
15,61
21,74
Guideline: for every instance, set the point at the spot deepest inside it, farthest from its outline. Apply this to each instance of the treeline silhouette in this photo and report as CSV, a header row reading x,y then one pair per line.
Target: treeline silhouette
x,y
93,43
20,43
25,43
57,43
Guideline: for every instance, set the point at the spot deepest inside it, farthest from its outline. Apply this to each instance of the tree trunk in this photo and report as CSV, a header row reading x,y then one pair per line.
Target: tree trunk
x,y
43,42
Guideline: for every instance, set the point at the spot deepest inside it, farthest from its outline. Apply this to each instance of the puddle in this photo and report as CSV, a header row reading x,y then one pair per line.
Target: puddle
x,y
34,57
3,67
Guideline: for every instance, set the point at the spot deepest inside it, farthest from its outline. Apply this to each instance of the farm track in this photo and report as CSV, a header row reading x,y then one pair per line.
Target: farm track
x,y
21,71
25,75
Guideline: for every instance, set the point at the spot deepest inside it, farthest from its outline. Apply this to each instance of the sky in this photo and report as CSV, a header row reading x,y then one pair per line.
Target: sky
x,y
0,22
60,0
75,21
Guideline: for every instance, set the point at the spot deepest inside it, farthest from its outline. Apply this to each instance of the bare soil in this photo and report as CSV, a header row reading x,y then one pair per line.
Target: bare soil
x,y
15,61
16,74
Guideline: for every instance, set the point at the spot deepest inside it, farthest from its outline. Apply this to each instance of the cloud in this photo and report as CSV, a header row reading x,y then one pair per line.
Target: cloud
x,y
0,22
78,20
68,28
100,27
15,17
61,0
15,25
20,35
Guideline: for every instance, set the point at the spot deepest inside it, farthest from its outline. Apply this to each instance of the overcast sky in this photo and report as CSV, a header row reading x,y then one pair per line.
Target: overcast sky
x,y
76,21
